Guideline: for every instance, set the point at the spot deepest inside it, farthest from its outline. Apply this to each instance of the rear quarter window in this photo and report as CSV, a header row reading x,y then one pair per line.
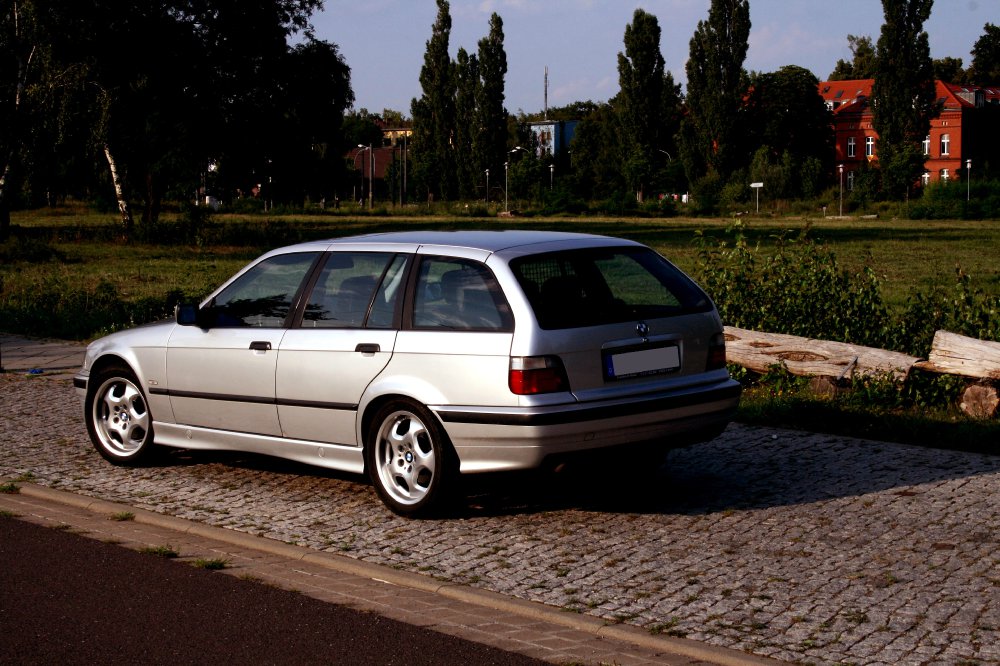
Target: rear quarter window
x,y
596,286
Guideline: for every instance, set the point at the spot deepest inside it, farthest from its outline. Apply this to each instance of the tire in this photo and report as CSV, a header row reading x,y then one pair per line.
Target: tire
x,y
119,422
409,459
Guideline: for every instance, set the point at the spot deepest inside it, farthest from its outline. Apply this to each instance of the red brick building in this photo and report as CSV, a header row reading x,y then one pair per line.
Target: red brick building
x,y
964,129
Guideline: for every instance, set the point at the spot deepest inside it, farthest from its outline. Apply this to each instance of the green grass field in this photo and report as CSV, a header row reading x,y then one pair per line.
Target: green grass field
x,y
908,255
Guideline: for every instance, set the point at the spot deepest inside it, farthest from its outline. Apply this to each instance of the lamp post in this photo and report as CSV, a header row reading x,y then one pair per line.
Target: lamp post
x,y
487,199
506,181
841,169
505,165
552,175
371,173
968,179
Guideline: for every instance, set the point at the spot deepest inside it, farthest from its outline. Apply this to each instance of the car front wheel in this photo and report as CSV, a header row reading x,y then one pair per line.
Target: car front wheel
x,y
118,418
408,458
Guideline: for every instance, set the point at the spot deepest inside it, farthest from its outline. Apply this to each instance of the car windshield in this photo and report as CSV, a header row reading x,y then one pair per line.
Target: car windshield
x,y
595,286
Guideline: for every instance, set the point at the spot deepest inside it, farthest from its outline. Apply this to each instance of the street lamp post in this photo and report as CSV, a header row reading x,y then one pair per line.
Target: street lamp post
x,y
487,199
505,165
841,169
552,175
371,173
505,180
968,179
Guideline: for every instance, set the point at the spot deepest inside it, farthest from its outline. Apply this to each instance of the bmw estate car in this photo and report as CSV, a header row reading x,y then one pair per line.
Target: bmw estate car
x,y
417,356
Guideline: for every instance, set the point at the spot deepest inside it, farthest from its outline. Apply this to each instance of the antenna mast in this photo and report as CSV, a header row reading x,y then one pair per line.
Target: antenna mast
x,y
546,92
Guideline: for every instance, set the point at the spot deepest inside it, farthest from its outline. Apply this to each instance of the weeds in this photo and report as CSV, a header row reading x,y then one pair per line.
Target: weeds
x,y
160,551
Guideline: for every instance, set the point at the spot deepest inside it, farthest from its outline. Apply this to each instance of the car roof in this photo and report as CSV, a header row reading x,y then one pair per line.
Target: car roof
x,y
482,240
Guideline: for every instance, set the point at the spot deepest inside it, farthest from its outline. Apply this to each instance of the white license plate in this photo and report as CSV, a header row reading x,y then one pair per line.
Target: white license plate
x,y
643,362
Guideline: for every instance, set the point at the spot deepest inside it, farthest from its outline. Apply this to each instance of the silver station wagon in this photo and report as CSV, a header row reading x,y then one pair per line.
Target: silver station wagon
x,y
416,356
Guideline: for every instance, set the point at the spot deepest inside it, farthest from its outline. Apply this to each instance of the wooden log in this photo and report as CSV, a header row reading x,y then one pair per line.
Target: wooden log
x,y
980,401
956,354
758,351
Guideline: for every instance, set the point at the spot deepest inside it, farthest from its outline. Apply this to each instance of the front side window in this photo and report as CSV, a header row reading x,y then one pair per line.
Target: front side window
x,y
869,146
945,144
459,294
264,294
598,286
347,292
927,145
851,146
850,181
945,175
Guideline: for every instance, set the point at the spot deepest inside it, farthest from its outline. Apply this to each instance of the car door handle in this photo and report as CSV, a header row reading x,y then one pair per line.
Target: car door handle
x,y
367,348
260,345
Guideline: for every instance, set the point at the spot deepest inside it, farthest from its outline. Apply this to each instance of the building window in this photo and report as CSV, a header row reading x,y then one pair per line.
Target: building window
x,y
851,146
850,181
925,179
927,145
869,146
944,175
945,144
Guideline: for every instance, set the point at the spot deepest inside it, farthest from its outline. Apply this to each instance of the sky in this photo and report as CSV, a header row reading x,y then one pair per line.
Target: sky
x,y
383,41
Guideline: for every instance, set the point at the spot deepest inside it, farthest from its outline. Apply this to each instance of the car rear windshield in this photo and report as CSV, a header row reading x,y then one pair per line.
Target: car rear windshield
x,y
595,286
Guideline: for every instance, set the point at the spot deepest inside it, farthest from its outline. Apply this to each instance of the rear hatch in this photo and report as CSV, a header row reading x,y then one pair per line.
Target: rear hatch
x,y
622,320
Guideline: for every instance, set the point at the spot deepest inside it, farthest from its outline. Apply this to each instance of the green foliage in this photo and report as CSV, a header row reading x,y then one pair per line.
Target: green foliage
x,y
953,200
797,289
961,309
52,307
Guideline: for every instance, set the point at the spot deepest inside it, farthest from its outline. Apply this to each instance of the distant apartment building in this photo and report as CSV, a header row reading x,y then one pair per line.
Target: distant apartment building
x,y
966,128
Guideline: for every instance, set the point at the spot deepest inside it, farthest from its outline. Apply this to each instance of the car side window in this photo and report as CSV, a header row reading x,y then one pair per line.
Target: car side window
x,y
262,296
459,294
345,294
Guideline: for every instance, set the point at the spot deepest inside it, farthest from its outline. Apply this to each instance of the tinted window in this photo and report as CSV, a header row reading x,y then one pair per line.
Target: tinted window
x,y
262,296
459,294
605,285
345,292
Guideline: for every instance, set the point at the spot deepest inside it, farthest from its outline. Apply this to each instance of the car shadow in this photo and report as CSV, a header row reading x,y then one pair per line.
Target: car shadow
x,y
746,468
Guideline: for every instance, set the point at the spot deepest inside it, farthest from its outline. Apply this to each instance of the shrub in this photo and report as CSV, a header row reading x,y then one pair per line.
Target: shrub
x,y
797,289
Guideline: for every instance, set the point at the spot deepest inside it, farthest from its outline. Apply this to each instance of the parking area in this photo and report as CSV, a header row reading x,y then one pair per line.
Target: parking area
x,y
795,546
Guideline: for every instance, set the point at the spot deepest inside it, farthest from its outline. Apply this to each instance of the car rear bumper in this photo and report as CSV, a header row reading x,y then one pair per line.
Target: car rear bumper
x,y
508,439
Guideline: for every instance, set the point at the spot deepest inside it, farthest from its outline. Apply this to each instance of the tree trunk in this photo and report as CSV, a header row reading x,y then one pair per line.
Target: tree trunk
x,y
4,210
126,212
818,358
980,401
959,355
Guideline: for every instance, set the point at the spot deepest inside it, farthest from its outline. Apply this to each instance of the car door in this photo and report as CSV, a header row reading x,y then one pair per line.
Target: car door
x,y
222,376
345,338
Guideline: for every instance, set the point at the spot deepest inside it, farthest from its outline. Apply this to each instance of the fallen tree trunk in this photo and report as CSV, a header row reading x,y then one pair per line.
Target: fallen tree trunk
x,y
955,354
979,401
807,357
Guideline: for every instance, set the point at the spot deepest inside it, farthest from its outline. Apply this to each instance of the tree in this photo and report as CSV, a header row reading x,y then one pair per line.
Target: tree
x,y
717,84
466,85
904,93
985,67
949,70
489,135
786,116
862,63
20,46
434,113
647,104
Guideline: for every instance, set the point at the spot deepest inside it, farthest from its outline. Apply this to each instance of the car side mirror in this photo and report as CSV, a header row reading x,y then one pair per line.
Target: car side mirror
x,y
189,314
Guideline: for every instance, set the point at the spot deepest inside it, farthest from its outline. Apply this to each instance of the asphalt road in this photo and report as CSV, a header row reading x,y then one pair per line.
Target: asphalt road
x,y
69,599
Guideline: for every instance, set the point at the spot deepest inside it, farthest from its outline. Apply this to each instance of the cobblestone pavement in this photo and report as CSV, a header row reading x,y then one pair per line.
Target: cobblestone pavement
x,y
801,547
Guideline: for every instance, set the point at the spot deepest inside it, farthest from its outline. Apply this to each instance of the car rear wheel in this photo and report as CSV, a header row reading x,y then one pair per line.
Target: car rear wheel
x,y
118,418
409,458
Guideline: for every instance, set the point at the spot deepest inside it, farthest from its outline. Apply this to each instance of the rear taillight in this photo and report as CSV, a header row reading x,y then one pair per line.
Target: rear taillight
x,y
716,352
531,375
